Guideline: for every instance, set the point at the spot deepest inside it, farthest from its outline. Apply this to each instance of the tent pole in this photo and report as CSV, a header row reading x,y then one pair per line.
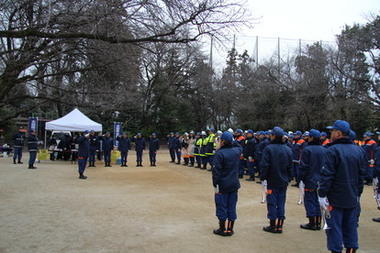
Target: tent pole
x,y
45,140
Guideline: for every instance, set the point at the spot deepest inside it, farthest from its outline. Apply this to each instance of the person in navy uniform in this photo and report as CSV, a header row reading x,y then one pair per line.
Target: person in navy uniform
x,y
311,164
177,147
298,146
83,152
171,146
94,143
226,183
124,146
33,148
340,187
154,146
376,174
107,146
140,147
249,153
369,146
263,142
18,144
276,169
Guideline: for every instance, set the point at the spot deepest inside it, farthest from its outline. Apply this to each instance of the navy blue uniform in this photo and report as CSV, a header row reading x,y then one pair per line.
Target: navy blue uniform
x,y
249,152
263,142
171,147
177,148
276,168
33,148
94,145
83,152
225,177
311,164
124,146
154,146
369,146
342,183
107,147
298,146
140,147
18,144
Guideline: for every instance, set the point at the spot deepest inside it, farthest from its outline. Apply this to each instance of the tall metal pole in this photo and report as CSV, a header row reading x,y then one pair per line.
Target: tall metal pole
x,y
257,52
211,46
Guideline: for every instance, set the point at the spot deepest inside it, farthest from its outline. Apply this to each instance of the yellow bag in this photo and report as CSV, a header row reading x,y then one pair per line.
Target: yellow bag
x,y
114,156
43,154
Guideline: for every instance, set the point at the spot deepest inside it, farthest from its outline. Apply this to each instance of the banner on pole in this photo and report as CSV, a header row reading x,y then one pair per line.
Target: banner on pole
x,y
33,124
117,129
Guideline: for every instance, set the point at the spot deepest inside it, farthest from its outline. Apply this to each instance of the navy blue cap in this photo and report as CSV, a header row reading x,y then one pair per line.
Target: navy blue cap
x,y
154,134
298,133
250,131
138,133
340,125
367,134
277,131
227,136
107,132
239,131
291,136
352,135
323,134
92,131
85,131
378,133
314,133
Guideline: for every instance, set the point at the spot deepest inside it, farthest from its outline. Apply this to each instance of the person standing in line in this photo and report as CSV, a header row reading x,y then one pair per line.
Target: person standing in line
x,y
94,142
171,146
18,144
33,148
226,183
192,141
154,146
263,142
276,169
376,175
140,147
340,187
369,146
311,164
177,147
298,146
124,146
83,151
197,150
107,146
248,153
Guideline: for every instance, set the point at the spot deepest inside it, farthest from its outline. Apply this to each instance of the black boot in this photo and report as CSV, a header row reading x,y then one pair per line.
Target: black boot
x,y
311,225
376,219
350,250
151,164
19,161
318,222
271,228
81,176
280,223
154,164
251,178
141,164
14,161
204,167
31,166
222,231
230,228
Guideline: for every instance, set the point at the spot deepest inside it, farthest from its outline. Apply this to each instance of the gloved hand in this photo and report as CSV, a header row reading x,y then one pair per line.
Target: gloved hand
x,y
324,203
372,162
217,189
264,183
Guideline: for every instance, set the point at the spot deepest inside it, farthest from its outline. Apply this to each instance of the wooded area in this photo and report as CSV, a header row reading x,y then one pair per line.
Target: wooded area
x,y
141,63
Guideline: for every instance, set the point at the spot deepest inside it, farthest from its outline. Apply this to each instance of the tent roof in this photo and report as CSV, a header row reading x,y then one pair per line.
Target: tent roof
x,y
74,121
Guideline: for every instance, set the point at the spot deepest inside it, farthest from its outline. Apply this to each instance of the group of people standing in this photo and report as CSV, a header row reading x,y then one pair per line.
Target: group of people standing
x,y
332,173
89,146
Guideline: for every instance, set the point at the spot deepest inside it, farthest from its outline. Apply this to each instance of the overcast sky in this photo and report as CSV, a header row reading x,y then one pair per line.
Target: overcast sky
x,y
291,20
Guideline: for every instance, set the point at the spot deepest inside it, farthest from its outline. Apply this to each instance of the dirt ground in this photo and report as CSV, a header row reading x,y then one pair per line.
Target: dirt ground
x,y
168,208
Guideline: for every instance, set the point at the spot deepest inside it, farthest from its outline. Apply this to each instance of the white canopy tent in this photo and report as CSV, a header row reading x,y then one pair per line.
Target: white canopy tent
x,y
74,121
